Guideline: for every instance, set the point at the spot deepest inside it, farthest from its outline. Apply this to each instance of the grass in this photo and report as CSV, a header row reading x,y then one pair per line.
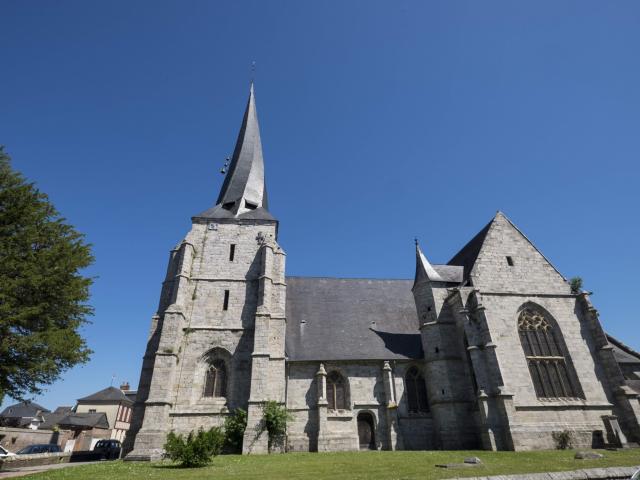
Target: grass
x,y
348,466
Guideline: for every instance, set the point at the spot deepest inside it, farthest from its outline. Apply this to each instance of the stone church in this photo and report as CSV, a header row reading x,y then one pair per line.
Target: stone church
x,y
491,351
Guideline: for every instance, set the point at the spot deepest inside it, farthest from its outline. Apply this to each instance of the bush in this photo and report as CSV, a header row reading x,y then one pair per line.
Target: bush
x,y
234,426
275,418
196,450
563,439
576,285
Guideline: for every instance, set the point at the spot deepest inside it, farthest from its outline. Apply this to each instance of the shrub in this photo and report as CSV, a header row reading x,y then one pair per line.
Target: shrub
x,y
234,426
275,418
563,439
576,285
196,450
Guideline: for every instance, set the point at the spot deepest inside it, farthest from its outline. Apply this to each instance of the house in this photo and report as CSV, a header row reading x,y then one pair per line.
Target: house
x,y
25,414
86,429
114,404
51,419
126,389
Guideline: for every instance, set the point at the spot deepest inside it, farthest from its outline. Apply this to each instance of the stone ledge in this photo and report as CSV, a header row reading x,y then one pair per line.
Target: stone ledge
x,y
611,473
33,460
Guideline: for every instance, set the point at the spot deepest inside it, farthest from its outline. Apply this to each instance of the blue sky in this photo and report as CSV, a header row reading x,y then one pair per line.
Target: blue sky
x,y
381,121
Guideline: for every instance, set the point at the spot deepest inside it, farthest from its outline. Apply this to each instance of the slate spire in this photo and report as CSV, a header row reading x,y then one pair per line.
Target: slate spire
x,y
243,193
424,270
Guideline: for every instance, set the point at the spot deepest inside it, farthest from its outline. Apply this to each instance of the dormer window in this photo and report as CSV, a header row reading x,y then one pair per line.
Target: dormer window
x,y
249,205
228,205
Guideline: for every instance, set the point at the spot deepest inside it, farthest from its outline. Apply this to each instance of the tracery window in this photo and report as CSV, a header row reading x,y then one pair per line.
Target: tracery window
x,y
336,392
215,384
416,391
547,362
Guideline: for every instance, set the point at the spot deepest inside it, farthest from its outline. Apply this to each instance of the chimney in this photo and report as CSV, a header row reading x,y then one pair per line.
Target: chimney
x,y
124,387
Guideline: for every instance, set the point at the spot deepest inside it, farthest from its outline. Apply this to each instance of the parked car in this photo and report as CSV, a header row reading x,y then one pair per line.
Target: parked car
x,y
40,448
108,449
636,476
4,453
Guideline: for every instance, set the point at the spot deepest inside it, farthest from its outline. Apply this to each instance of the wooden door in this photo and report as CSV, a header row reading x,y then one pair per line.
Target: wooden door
x,y
366,432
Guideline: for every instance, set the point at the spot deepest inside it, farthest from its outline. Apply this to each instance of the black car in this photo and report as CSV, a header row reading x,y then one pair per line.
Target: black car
x,y
108,449
39,448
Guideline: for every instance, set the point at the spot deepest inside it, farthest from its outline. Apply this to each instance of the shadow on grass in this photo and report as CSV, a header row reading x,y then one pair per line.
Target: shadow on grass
x,y
177,466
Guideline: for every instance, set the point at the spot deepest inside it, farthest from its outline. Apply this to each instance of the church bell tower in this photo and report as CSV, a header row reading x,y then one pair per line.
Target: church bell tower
x,y
217,339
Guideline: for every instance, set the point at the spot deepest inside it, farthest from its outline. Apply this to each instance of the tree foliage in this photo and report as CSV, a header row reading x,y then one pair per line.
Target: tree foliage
x,y
234,427
42,294
196,449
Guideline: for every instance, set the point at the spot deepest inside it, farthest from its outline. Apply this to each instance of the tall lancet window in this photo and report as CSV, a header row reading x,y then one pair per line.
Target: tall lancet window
x,y
416,391
215,384
336,392
542,343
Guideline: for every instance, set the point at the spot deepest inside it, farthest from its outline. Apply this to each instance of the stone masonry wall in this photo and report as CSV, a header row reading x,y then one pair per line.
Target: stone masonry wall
x,y
504,289
365,393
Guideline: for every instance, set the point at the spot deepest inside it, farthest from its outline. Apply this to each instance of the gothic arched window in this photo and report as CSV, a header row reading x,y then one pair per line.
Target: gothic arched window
x,y
416,391
336,392
215,384
543,349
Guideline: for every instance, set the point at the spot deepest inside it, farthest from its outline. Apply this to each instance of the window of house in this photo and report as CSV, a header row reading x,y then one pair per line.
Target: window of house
x,y
548,365
336,392
215,384
416,391
510,261
232,252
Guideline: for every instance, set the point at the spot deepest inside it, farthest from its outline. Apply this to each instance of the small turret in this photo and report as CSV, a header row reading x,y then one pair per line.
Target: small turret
x,y
423,283
448,385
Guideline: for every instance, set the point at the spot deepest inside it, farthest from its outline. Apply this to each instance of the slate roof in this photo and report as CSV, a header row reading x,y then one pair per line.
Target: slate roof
x,y
218,212
85,420
244,183
23,409
468,255
52,419
351,319
622,352
108,395
364,319
131,395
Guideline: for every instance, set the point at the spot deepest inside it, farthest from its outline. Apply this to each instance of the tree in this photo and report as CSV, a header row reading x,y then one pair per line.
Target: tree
x,y
42,293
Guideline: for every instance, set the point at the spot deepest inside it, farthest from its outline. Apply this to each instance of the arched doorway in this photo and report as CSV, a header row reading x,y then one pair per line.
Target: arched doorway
x,y
366,431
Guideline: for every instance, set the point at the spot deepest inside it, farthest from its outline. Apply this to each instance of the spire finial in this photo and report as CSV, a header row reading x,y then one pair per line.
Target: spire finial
x,y
415,239
253,72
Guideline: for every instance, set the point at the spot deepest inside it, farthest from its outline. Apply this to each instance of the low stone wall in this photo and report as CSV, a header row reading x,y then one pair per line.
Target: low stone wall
x,y
612,473
33,460
13,439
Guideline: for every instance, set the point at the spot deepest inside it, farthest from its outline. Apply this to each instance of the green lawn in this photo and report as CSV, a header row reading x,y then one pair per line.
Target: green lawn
x,y
348,465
